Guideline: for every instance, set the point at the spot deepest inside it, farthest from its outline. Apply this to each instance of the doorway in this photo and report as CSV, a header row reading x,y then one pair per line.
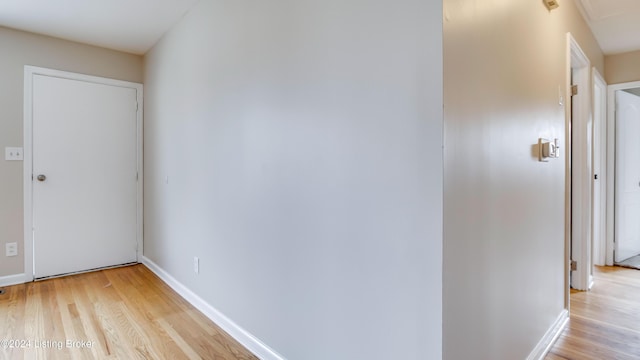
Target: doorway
x,y
82,172
625,103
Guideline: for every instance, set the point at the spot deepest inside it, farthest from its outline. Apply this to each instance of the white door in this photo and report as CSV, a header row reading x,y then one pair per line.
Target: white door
x,y
85,169
581,131
599,169
627,179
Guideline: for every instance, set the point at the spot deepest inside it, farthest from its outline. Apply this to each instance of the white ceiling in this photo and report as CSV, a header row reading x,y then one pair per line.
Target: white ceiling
x,y
127,25
615,23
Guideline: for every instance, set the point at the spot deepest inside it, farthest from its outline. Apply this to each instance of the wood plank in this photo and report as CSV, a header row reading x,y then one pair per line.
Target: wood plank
x,y
11,314
555,357
143,313
126,313
604,322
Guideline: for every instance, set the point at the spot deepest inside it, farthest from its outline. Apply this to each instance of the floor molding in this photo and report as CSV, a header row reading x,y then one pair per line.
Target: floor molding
x,y
547,341
13,279
249,341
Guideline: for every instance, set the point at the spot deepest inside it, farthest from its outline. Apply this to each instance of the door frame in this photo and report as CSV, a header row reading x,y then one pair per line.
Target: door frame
x,y
579,185
29,73
611,167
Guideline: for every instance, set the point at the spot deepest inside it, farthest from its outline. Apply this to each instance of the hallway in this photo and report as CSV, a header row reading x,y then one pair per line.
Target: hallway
x,y
604,322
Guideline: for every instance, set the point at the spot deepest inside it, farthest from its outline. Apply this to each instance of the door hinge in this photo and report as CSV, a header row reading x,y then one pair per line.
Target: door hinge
x,y
574,90
137,106
574,265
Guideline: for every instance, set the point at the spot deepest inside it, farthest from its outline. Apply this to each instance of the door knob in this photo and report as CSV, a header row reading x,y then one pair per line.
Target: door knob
x,y
41,177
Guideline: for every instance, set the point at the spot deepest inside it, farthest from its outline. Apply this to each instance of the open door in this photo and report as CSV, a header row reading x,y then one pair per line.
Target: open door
x,y
579,168
600,177
627,188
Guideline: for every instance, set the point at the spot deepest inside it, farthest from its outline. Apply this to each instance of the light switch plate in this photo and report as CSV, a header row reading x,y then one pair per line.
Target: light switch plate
x,y
11,249
13,154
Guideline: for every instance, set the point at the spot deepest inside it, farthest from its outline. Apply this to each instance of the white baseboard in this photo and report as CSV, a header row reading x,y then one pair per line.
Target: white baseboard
x,y
253,344
13,279
547,341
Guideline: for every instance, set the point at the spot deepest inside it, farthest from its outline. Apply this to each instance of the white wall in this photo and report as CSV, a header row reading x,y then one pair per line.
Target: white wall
x,y
296,148
504,212
621,68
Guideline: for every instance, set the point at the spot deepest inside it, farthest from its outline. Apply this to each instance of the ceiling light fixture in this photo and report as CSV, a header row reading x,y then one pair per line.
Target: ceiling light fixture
x,y
551,4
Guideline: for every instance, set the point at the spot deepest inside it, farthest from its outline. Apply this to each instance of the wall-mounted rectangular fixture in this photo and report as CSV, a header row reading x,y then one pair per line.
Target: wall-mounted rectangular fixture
x,y
548,149
13,154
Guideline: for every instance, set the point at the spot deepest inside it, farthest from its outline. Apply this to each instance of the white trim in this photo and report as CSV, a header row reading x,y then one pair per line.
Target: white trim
x,y
29,72
611,159
140,161
13,280
550,337
600,185
611,150
579,170
247,340
27,177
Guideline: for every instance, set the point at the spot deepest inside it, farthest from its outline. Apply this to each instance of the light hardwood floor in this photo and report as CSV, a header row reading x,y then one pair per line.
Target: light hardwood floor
x,y
604,322
124,313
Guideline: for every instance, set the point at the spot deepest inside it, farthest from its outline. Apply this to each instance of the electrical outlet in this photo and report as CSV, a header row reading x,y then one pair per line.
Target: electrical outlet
x,y
13,154
11,249
196,265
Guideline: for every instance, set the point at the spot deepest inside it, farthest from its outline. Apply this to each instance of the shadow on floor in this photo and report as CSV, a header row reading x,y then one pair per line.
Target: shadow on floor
x,y
632,262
